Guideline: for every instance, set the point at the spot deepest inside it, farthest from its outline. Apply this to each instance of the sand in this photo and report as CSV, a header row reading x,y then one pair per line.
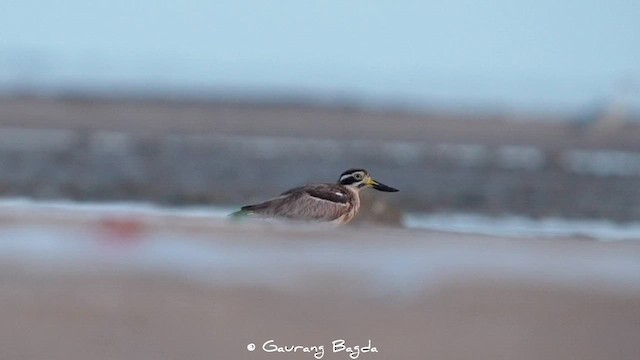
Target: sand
x,y
161,286
136,286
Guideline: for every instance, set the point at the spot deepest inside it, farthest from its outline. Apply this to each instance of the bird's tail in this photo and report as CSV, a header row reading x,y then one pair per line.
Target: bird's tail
x,y
240,214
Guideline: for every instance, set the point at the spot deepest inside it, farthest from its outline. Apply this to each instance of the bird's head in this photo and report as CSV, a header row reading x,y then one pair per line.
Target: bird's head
x,y
360,179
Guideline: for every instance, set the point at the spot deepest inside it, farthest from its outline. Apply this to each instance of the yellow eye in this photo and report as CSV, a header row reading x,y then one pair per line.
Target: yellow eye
x,y
357,176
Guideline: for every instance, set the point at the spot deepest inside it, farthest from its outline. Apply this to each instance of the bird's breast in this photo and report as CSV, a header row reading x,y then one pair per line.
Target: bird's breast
x,y
354,206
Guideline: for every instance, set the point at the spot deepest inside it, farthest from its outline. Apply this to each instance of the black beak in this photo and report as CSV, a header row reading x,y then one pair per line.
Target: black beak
x,y
382,187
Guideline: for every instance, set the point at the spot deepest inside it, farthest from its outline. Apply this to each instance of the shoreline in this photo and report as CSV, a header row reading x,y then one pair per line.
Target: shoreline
x,y
509,226
98,150
112,285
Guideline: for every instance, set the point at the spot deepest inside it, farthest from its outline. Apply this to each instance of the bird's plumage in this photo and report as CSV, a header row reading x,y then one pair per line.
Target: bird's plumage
x,y
315,202
318,202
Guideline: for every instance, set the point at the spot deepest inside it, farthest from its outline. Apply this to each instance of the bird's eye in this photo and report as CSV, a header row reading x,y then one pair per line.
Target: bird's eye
x,y
357,176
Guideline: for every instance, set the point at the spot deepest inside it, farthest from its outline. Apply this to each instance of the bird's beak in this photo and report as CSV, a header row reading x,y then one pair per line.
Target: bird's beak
x,y
381,187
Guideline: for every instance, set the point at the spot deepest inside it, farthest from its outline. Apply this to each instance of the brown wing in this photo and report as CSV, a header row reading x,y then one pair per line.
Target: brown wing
x,y
329,192
324,202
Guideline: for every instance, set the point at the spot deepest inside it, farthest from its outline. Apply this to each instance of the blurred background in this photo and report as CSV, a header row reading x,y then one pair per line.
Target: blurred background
x,y
128,130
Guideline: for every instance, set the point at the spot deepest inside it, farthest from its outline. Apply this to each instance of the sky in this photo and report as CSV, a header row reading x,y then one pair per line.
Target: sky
x,y
542,54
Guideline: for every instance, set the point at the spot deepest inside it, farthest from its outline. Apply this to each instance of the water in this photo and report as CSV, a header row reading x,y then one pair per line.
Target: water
x,y
498,226
524,227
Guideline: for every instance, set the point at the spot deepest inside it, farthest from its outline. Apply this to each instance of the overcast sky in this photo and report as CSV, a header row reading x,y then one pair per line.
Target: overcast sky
x,y
540,53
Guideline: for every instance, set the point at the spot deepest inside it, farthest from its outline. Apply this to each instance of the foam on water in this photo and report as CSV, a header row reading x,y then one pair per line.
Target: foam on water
x,y
511,226
519,226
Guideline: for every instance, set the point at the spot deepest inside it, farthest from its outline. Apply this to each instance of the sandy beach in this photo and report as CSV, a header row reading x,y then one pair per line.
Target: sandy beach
x,y
82,281
495,148
135,285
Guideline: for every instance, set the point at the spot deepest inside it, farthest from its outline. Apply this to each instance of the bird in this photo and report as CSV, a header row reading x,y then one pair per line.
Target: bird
x,y
335,203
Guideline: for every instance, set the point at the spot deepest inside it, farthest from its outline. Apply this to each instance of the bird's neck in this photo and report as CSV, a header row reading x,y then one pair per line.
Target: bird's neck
x,y
353,189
